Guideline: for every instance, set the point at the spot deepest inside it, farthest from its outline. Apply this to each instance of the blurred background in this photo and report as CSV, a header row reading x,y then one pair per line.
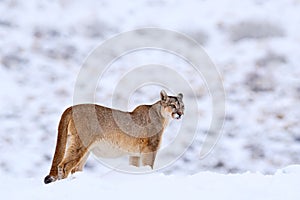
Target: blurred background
x,y
254,43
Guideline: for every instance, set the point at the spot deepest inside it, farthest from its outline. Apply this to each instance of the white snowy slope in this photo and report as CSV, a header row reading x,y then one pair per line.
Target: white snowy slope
x,y
254,44
205,185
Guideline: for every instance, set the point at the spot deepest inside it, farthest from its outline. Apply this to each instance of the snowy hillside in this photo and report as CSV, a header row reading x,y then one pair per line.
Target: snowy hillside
x,y
254,44
205,185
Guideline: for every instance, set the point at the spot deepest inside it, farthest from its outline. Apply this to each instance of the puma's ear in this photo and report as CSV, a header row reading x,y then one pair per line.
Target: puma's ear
x,y
180,95
163,95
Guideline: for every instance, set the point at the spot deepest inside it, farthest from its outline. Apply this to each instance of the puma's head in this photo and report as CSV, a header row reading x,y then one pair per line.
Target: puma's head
x,y
173,105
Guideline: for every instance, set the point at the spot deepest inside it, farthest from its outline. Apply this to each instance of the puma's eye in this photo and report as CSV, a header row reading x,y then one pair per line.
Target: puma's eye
x,y
173,106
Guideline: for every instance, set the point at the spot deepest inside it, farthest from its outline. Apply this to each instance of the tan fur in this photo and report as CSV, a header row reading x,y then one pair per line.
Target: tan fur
x,y
111,133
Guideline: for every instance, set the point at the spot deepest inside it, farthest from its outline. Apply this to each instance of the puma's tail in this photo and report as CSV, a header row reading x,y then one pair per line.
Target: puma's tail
x,y
60,145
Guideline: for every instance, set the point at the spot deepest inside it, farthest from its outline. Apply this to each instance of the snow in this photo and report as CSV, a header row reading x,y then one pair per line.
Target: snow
x,y
44,43
204,185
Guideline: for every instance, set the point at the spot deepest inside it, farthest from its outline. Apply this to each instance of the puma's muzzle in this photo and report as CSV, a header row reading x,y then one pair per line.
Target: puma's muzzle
x,y
177,115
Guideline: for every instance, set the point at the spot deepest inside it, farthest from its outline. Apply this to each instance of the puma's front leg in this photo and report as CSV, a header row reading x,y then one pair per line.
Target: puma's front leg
x,y
134,160
150,151
148,159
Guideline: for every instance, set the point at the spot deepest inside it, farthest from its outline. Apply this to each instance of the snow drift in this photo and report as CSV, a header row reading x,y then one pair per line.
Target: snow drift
x,y
284,184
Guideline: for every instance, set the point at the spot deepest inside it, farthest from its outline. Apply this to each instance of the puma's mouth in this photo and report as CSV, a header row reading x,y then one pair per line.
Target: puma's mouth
x,y
176,115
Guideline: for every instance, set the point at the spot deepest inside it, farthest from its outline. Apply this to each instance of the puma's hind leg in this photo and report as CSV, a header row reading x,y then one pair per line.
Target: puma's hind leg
x,y
80,165
76,152
72,159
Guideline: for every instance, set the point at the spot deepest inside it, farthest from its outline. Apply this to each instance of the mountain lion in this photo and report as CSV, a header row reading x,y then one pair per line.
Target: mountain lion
x,y
111,133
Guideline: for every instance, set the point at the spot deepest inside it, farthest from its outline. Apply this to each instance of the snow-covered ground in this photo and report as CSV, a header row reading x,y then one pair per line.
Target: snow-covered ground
x,y
205,185
254,44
